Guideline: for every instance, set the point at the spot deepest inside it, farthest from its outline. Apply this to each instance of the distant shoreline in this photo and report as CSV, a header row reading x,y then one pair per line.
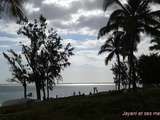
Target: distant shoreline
x,y
67,84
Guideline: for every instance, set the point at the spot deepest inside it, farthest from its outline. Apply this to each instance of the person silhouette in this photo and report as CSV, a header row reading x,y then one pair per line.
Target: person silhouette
x,y
74,93
95,90
29,94
79,93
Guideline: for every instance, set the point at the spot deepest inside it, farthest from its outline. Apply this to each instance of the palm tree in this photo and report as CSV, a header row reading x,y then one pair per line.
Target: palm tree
x,y
133,17
114,48
13,8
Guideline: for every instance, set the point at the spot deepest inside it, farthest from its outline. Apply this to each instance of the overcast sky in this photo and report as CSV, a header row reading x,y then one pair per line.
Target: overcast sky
x,y
78,22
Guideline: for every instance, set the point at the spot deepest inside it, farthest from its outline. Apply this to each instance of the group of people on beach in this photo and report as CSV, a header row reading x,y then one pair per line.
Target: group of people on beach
x,y
95,91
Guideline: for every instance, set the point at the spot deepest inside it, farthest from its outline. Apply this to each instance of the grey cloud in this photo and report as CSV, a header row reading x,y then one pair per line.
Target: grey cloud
x,y
37,3
57,24
54,12
92,22
90,5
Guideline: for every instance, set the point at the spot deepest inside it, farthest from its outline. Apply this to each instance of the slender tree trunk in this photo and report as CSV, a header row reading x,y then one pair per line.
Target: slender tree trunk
x,y
132,63
47,89
131,60
44,92
25,89
119,65
38,89
130,72
133,72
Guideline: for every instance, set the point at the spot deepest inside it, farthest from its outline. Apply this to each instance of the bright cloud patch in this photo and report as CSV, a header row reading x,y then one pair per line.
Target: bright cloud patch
x,y
62,3
30,8
81,31
75,17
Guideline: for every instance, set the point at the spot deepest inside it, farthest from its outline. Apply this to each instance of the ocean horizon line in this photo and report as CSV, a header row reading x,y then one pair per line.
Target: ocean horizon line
x,y
67,84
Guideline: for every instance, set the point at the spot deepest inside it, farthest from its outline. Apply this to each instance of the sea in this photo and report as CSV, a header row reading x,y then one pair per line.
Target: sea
x,y
10,92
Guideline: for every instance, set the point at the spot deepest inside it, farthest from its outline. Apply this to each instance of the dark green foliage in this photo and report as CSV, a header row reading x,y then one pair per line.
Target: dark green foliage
x,y
46,55
35,32
133,17
113,45
121,74
18,68
148,68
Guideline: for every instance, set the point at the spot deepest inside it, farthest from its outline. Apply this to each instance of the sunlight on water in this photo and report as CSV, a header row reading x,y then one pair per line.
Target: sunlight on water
x,y
84,84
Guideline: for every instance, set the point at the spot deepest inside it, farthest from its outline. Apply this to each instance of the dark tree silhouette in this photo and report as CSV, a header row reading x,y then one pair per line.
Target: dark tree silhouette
x,y
36,34
132,17
58,58
53,59
120,74
18,69
113,46
46,55
148,68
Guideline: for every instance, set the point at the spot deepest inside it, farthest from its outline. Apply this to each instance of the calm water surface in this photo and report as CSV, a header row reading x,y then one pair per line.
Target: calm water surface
x,y
16,92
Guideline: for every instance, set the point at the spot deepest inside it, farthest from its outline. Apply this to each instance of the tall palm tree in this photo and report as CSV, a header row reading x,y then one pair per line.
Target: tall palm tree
x,y
114,48
133,17
13,8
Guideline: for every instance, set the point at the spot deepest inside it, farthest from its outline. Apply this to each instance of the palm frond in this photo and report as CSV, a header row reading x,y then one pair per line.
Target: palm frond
x,y
117,15
156,45
102,50
155,13
151,30
109,57
102,31
107,3
15,7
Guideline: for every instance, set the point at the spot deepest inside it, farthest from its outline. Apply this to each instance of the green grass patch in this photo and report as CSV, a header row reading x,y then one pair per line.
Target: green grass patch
x,y
103,106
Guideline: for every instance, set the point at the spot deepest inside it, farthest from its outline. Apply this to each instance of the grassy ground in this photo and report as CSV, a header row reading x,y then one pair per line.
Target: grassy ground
x,y
103,106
